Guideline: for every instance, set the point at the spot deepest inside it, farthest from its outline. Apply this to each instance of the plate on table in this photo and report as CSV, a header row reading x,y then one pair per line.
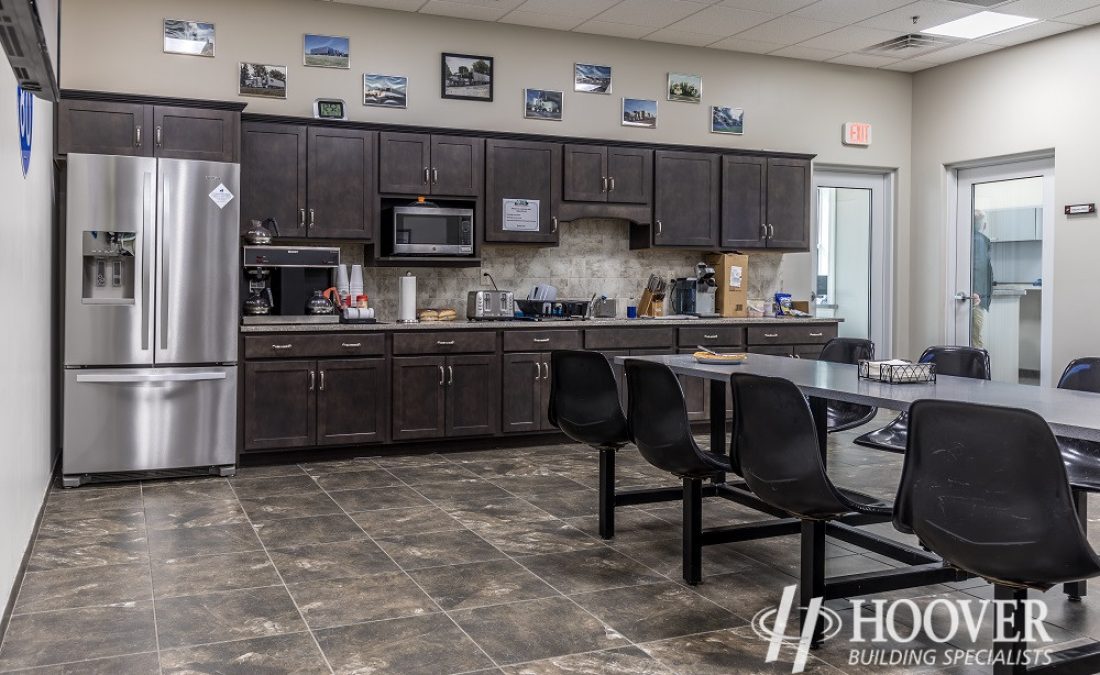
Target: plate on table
x,y
720,359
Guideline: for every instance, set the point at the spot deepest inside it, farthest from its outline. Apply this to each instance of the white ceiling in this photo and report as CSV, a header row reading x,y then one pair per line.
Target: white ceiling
x,y
837,31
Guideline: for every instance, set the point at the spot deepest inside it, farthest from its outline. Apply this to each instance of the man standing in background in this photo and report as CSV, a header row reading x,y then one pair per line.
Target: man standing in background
x,y
981,279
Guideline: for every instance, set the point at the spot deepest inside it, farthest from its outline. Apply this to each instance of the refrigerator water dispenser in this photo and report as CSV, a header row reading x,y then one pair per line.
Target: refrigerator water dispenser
x,y
108,260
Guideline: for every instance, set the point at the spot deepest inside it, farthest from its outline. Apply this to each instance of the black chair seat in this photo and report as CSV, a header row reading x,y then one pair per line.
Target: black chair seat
x,y
1082,460
891,438
842,415
862,503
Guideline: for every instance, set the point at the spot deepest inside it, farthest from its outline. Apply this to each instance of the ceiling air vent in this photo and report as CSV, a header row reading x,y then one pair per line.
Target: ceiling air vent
x,y
978,3
909,45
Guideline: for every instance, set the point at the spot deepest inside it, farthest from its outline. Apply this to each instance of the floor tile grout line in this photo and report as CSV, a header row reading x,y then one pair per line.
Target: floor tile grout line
x,y
410,577
279,574
19,671
152,587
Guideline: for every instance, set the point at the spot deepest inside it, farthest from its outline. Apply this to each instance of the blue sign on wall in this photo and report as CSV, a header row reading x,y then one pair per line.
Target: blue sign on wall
x,y
26,126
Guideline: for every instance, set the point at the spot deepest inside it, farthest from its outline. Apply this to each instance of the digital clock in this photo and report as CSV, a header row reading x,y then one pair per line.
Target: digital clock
x,y
329,109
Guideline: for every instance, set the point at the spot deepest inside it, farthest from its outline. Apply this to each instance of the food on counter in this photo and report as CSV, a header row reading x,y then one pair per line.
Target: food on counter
x,y
444,314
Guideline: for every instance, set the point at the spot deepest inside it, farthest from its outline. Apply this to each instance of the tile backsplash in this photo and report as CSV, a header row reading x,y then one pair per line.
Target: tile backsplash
x,y
593,257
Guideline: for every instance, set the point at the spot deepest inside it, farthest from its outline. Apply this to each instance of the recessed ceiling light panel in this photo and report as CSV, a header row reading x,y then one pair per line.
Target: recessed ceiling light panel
x,y
979,25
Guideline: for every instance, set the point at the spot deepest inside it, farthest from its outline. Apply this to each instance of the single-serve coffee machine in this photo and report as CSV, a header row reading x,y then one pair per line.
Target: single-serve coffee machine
x,y
695,296
278,282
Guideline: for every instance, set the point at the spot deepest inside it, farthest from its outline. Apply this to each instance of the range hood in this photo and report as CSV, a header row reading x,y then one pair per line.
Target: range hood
x,y
24,41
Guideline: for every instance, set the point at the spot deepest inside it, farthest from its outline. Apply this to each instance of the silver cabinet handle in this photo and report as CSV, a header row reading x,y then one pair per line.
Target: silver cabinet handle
x,y
538,370
312,379
553,224
612,180
137,135
603,187
771,335
157,136
281,347
771,231
444,343
435,175
816,334
351,345
427,175
660,228
547,367
442,376
312,219
322,380
301,218
540,340
763,231
711,337
450,375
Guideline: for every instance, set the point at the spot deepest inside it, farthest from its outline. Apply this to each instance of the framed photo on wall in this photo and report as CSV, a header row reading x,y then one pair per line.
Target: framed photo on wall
x,y
262,80
725,120
326,51
591,79
385,91
640,112
466,77
194,38
685,88
542,104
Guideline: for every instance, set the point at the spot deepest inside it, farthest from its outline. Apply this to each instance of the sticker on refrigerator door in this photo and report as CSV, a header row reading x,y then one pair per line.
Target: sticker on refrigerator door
x,y
221,196
521,215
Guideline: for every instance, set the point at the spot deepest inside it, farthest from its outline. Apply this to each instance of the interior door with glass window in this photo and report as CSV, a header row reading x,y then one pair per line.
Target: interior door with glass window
x,y
1000,290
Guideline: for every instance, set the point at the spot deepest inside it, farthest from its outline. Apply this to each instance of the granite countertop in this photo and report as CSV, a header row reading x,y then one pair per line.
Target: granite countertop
x,y
520,325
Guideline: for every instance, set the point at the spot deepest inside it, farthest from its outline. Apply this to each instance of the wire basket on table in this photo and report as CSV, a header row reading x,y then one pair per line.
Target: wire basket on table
x,y
897,373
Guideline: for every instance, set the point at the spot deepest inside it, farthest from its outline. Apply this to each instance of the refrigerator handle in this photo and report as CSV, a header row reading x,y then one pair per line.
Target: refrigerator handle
x,y
146,258
140,378
162,264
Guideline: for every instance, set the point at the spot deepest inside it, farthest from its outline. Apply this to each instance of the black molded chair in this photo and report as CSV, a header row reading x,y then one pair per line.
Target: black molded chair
x,y
985,488
956,361
584,405
659,425
841,414
1082,458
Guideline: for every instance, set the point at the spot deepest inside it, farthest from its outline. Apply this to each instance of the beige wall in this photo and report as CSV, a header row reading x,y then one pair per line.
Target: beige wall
x,y
790,105
1034,97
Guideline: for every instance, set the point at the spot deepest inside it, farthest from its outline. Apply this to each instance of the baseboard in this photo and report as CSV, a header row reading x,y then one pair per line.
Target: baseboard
x,y
17,583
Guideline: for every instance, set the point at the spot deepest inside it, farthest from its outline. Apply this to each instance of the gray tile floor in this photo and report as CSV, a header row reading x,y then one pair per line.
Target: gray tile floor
x,y
472,562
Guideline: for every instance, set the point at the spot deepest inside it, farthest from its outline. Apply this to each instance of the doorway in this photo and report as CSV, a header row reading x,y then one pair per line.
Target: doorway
x,y
852,260
1000,284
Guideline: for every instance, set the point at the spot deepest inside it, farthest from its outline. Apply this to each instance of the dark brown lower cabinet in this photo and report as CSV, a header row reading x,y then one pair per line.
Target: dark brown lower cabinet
x,y
436,396
696,394
351,401
525,392
279,404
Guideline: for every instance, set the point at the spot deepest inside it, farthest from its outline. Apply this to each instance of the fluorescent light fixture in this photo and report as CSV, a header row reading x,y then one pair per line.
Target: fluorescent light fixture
x,y
979,25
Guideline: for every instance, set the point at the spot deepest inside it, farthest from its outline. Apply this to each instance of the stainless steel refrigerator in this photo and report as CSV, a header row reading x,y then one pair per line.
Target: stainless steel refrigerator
x,y
151,310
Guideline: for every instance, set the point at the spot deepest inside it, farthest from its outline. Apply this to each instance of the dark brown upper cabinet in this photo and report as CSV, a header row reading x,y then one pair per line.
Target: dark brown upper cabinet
x,y
596,173
113,128
430,164
273,176
686,199
522,170
788,214
340,201
744,201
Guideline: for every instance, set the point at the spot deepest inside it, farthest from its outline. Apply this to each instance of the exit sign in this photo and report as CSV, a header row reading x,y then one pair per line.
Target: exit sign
x,y
857,133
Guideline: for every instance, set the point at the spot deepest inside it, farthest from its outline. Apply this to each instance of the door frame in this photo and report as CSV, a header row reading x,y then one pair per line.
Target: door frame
x,y
883,186
1002,168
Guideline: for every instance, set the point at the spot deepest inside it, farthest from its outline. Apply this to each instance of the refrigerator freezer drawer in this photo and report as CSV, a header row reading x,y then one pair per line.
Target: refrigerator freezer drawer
x,y
145,419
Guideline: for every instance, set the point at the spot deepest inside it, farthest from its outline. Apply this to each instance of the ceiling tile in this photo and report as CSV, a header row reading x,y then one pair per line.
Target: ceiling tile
x,y
656,13
958,52
407,5
849,39
864,60
808,53
681,37
1045,9
910,66
1086,17
1034,31
849,11
585,9
540,20
613,29
737,44
929,14
770,6
787,30
463,10
722,21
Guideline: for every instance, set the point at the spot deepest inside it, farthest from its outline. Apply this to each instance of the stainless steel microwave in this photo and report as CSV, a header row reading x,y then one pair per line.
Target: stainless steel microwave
x,y
431,230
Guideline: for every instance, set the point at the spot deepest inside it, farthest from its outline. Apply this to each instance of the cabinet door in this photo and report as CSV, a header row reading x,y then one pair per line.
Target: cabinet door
x,y
419,397
685,205
789,203
404,163
630,175
104,128
473,395
273,176
522,405
522,170
193,133
351,401
341,179
743,201
279,404
585,173
458,166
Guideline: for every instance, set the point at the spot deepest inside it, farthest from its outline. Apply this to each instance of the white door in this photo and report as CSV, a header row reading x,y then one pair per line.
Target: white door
x,y
1000,285
852,273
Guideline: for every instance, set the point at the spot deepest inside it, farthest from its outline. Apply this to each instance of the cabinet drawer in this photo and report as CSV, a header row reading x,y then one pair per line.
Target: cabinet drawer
x,y
629,338
297,346
541,340
444,342
778,350
725,336
808,351
791,335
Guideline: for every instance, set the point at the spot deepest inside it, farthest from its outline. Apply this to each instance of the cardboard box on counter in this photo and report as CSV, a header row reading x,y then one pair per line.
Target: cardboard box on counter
x,y
731,271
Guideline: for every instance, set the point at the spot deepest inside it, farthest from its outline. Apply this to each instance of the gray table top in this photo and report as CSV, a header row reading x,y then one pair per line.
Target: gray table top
x,y
1072,414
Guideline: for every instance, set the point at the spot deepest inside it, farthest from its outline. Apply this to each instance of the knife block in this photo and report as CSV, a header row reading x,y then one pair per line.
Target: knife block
x,y
651,305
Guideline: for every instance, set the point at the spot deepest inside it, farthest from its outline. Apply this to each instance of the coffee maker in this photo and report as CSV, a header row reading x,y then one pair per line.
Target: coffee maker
x,y
694,296
277,283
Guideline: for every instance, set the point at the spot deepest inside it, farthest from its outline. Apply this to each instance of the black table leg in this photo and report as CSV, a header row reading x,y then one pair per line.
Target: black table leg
x,y
693,530
812,582
819,407
607,493
718,416
1076,590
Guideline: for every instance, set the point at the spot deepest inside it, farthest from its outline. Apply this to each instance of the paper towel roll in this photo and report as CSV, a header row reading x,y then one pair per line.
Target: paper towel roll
x,y
406,303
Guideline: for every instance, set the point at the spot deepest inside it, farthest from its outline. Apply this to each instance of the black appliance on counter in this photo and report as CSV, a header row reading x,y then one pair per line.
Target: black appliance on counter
x,y
552,310
284,278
